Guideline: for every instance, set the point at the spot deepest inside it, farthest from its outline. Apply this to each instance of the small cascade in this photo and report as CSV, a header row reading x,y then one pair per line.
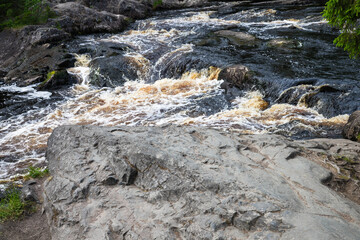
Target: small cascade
x,y
164,70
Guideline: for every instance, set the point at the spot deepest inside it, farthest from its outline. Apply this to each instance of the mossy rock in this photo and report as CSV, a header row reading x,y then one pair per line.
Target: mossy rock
x,y
56,80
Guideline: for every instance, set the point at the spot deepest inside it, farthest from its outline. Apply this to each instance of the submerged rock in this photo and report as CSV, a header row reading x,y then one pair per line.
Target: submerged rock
x,y
189,183
238,38
352,128
284,44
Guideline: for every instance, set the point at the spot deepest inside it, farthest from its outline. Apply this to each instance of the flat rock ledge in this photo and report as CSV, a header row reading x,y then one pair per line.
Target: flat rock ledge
x,y
190,183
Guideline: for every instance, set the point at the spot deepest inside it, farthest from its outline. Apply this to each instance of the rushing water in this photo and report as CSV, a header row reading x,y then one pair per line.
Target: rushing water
x,y
164,70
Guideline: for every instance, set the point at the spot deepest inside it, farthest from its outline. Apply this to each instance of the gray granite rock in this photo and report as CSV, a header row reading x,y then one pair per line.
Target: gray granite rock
x,y
189,183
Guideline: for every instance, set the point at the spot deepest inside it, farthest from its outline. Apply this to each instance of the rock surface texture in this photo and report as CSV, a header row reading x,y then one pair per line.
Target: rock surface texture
x,y
189,183
352,128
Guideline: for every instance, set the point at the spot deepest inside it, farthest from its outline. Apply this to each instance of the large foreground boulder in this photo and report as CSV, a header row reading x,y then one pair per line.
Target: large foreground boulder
x,y
189,183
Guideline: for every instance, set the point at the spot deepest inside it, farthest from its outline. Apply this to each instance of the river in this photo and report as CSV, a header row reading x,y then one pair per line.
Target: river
x,y
164,70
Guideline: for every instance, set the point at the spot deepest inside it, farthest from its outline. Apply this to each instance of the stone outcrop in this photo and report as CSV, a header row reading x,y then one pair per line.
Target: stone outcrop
x,y
36,50
182,3
78,19
191,183
33,53
134,9
352,128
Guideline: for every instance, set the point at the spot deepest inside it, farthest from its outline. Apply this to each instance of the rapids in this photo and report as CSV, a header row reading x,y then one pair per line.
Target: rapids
x,y
164,70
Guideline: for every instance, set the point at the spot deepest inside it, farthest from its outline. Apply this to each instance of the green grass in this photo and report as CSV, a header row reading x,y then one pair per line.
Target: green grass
x,y
37,172
12,207
358,137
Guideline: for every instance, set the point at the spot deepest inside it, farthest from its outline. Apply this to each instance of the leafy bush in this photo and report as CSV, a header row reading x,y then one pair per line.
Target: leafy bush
x,y
344,14
17,13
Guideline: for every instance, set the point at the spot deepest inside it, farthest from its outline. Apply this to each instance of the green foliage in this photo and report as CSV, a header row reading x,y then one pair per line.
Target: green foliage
x,y
344,14
11,206
37,172
157,3
17,13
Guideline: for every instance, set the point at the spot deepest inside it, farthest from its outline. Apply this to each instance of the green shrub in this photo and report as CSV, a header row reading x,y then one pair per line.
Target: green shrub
x,y
11,206
344,14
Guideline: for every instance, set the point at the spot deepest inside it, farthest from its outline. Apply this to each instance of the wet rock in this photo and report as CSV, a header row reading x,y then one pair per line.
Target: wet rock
x,y
33,53
352,128
34,80
130,8
240,39
169,4
236,75
329,100
47,35
292,95
190,183
56,80
78,19
284,44
113,71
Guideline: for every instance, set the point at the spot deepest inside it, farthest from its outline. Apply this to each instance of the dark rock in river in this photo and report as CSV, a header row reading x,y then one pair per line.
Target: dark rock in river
x,y
293,95
78,19
182,3
112,71
284,44
56,80
352,128
240,39
190,183
236,75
